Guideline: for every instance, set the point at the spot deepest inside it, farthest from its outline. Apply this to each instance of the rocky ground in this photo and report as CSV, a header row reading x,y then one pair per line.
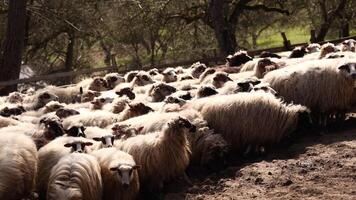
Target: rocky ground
x,y
313,166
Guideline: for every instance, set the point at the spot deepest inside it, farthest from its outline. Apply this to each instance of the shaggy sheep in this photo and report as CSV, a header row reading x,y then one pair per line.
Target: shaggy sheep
x,y
119,174
113,79
18,164
265,87
217,79
51,153
209,150
75,176
246,119
104,136
153,151
261,67
95,84
325,86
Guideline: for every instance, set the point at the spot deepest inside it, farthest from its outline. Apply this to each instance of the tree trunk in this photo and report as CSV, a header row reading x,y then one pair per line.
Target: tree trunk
x,y
324,29
224,31
13,45
345,29
68,66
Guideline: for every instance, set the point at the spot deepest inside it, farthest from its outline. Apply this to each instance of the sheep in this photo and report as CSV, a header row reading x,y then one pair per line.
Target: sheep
x,y
239,58
123,131
208,149
118,105
298,52
75,176
18,164
12,111
264,87
50,107
325,86
267,54
183,77
5,122
242,85
86,96
99,102
104,136
197,69
95,84
142,78
39,100
159,91
217,79
348,45
261,67
119,174
126,91
344,54
113,79
205,91
14,97
153,72
129,76
66,112
103,118
326,49
51,153
169,75
313,48
250,119
153,151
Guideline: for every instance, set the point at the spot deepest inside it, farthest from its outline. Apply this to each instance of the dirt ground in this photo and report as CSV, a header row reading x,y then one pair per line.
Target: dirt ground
x,y
313,166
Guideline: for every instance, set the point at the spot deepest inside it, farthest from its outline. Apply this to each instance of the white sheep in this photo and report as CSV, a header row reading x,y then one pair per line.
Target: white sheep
x,y
119,174
75,176
18,164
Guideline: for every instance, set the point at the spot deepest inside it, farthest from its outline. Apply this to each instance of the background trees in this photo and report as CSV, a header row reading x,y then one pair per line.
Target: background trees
x,y
71,34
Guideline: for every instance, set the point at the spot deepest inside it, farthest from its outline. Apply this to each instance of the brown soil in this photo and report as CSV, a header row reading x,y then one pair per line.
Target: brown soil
x,y
313,166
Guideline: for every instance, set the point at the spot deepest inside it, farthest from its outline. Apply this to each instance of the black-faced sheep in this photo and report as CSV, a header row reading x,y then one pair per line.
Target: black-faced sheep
x,y
126,91
237,59
205,91
119,174
66,112
75,176
298,52
18,164
153,151
246,119
197,69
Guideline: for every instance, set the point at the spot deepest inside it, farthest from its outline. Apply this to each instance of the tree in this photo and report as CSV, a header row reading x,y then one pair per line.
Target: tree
x,y
11,55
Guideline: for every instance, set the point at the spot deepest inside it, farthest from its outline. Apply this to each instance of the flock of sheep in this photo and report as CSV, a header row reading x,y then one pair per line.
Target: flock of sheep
x,y
118,137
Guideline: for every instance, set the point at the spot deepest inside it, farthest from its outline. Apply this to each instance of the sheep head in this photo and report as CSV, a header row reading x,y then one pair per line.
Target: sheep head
x,y
107,140
78,146
125,173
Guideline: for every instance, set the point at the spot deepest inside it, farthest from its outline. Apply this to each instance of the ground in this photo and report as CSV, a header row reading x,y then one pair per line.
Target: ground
x,y
313,166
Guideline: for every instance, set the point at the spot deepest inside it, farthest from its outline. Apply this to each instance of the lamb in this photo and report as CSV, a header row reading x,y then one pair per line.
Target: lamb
x,y
113,79
51,153
325,86
209,150
75,176
18,164
154,150
250,119
119,174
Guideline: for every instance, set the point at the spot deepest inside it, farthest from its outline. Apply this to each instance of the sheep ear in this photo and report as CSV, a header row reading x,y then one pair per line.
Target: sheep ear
x,y
97,139
81,90
68,145
136,167
140,129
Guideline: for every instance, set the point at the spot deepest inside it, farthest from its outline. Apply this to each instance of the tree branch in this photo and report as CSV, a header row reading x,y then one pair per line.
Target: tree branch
x,y
265,8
